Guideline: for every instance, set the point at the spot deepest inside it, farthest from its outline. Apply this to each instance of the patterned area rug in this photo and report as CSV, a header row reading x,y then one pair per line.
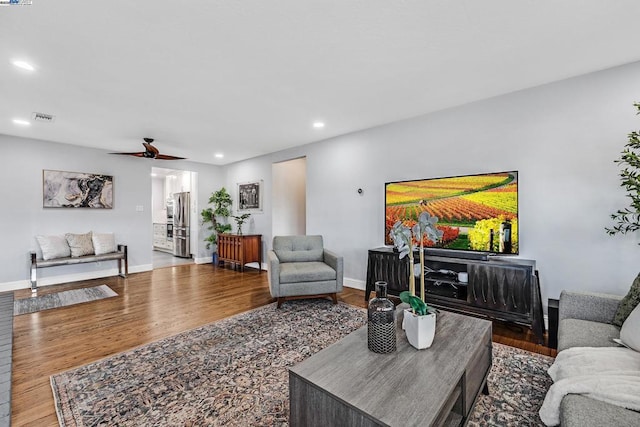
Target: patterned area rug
x,y
518,382
231,372
234,372
61,299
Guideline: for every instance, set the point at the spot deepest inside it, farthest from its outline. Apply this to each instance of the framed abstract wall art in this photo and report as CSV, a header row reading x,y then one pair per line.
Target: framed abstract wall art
x,y
250,196
76,190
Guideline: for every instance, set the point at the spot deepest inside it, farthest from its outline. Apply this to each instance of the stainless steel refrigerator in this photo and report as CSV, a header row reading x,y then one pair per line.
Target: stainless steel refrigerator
x,y
181,235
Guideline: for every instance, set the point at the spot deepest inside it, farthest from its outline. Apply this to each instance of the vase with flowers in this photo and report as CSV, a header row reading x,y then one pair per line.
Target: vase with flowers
x,y
419,321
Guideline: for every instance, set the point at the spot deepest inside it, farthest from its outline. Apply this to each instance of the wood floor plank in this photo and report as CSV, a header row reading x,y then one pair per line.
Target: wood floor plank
x,y
149,307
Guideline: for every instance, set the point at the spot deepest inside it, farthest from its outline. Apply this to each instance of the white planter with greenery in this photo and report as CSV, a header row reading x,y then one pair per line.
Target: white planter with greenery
x,y
420,329
419,322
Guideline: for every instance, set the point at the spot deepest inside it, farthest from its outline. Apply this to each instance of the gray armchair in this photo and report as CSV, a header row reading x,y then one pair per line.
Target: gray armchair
x,y
300,267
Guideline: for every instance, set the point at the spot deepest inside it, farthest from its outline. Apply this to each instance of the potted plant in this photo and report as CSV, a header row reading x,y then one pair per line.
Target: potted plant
x,y
628,219
240,219
217,216
419,321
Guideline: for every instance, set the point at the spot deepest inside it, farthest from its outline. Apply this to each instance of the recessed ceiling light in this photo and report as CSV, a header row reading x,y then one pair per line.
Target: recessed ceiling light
x,y
21,122
219,155
23,64
318,125
154,174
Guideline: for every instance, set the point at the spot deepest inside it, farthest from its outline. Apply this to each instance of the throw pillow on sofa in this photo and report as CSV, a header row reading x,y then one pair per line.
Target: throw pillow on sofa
x,y
104,243
628,303
53,247
80,244
630,331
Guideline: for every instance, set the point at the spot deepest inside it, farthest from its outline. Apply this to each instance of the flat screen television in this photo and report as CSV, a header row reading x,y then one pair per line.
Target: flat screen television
x,y
477,213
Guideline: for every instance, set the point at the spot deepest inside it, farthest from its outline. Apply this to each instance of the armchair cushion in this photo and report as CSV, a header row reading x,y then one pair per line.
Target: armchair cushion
x,y
298,248
293,272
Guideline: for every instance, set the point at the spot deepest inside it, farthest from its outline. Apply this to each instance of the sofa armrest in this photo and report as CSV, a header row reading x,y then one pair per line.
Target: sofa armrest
x,y
337,263
273,273
588,306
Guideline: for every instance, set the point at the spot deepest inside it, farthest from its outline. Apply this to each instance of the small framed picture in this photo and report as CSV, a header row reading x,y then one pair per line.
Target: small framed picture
x,y
250,196
62,189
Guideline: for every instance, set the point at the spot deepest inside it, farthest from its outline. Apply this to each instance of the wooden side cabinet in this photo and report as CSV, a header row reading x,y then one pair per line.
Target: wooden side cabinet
x,y
239,250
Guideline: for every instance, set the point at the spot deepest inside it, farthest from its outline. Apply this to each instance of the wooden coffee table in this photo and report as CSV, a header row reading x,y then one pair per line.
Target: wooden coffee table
x,y
348,385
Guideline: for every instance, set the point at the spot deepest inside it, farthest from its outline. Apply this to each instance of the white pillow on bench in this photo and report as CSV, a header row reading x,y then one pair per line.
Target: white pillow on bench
x,y
53,247
104,243
80,244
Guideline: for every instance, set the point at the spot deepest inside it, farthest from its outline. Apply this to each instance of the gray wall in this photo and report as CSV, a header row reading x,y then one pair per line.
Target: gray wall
x,y
561,137
24,217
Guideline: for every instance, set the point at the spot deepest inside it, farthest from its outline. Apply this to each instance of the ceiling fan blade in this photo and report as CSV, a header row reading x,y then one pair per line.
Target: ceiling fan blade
x,y
141,154
167,157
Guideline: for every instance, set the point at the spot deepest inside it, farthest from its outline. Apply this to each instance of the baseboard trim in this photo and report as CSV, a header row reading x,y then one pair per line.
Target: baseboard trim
x,y
254,265
208,260
353,283
68,278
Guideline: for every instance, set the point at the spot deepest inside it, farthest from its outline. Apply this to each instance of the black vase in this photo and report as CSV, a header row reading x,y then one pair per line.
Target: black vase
x,y
381,328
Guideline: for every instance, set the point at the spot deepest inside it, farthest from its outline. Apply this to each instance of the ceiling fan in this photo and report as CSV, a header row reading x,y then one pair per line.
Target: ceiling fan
x,y
150,152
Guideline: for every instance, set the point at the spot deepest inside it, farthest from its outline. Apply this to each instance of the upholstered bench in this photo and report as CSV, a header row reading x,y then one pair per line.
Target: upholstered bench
x,y
79,249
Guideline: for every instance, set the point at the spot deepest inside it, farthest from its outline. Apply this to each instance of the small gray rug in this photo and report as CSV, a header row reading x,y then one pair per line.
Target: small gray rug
x,y
61,299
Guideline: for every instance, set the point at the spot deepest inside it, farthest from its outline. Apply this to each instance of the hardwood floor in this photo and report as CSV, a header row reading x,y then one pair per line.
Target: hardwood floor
x,y
149,306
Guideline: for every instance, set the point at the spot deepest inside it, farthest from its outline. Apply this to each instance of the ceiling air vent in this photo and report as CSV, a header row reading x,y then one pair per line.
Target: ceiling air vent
x,y
42,117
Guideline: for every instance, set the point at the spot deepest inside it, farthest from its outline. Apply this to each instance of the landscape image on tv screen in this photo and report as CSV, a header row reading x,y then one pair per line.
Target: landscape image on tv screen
x,y
475,212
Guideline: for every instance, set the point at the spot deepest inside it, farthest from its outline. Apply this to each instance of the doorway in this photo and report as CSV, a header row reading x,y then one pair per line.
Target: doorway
x,y
166,185
289,208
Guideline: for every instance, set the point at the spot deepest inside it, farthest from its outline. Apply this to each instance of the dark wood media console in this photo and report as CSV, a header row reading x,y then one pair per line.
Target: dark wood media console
x,y
497,288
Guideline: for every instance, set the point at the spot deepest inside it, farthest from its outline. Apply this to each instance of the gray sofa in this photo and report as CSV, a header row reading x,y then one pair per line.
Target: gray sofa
x,y
584,320
300,267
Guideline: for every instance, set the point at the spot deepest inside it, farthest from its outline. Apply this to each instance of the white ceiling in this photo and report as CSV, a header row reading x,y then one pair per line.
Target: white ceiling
x,y
249,77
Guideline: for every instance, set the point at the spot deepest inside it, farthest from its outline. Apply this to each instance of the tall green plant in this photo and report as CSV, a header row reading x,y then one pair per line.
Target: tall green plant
x,y
628,219
217,216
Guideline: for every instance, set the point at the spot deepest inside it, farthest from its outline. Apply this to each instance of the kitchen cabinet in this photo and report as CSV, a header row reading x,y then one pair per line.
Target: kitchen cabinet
x,y
161,242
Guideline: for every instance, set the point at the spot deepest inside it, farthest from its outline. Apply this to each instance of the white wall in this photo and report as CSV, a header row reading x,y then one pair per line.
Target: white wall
x,y
24,217
159,207
561,137
289,197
